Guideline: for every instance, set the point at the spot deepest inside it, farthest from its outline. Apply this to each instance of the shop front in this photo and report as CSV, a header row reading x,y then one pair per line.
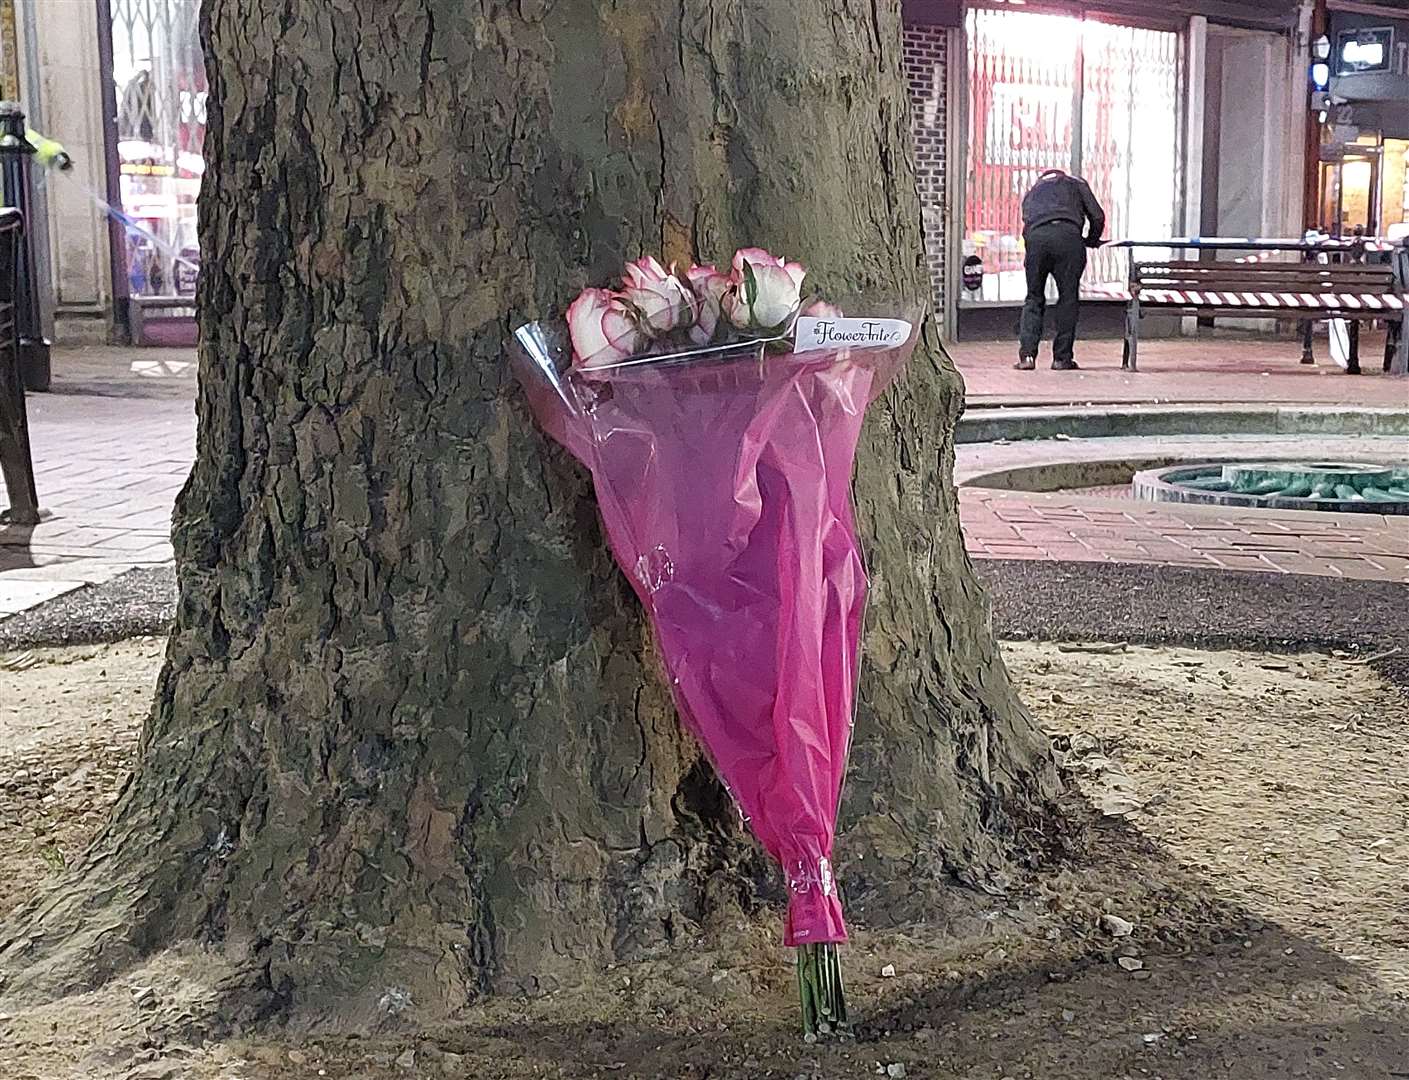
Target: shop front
x,y
1076,89
1364,160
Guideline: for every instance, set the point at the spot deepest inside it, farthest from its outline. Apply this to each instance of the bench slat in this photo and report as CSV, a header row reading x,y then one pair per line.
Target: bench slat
x,y
1367,304
1296,277
1356,287
1246,270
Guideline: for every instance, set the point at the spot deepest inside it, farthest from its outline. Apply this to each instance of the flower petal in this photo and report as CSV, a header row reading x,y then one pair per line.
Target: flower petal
x,y
754,257
777,296
584,319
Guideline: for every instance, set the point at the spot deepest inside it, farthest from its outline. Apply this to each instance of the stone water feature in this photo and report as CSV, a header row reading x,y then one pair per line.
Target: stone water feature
x,y
1336,486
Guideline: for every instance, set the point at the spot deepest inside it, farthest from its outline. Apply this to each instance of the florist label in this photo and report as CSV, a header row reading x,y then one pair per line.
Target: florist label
x,y
841,333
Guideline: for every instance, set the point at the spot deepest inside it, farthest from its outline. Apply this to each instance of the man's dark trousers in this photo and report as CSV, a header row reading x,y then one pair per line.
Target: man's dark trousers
x,y
1056,249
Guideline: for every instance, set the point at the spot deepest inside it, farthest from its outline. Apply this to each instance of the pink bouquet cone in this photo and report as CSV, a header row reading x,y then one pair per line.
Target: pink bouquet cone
x,y
723,476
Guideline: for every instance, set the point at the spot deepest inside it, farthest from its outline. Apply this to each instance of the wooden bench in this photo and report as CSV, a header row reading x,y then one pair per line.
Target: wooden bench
x,y
16,465
147,316
1273,290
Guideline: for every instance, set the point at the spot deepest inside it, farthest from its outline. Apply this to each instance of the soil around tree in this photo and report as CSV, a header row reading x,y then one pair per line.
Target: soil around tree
x,y
1253,838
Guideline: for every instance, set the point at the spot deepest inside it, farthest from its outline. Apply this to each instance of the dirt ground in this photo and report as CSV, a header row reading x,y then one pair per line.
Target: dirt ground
x,y
1237,906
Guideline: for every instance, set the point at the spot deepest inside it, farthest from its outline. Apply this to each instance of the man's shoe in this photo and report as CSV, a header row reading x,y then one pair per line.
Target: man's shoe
x,y
1065,365
1026,363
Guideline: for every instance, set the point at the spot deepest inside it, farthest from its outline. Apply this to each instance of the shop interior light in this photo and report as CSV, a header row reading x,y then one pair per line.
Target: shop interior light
x,y
1320,75
1321,48
1366,54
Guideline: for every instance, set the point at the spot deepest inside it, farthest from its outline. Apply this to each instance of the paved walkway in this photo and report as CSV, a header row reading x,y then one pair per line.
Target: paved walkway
x,y
1011,525
1095,526
112,445
1092,527
114,442
1221,369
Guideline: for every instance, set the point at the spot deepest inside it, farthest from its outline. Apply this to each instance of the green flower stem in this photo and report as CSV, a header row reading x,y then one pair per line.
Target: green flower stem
x,y
821,992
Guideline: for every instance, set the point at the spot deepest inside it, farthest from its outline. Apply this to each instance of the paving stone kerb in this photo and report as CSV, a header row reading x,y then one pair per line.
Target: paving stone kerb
x,y
1044,465
993,424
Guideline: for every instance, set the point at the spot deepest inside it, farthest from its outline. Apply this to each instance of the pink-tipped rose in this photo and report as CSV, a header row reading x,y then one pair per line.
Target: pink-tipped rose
x,y
710,288
767,290
820,309
758,257
602,329
643,272
661,298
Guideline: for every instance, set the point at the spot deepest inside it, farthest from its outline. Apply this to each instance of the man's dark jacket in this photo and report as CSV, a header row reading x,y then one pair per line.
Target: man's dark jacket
x,y
1059,197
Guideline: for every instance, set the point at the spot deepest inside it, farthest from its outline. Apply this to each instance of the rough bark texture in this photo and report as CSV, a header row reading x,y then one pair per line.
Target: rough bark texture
x,y
410,744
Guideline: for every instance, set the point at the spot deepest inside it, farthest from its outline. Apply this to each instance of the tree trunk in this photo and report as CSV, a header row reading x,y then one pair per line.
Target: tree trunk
x,y
410,744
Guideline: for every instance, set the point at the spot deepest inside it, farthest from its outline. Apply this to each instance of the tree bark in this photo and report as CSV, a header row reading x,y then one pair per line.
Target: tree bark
x,y
410,744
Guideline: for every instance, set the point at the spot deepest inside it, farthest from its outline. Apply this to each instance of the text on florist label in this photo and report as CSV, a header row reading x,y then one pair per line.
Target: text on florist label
x,y
841,333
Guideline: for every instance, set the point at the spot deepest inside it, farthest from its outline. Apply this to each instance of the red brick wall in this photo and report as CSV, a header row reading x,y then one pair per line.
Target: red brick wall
x,y
926,72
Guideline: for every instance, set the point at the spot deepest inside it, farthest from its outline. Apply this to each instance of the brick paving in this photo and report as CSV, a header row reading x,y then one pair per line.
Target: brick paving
x,y
1098,526
1023,525
1102,524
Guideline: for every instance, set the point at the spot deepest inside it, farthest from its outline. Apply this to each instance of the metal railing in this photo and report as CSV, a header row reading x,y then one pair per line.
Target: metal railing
x,y
16,464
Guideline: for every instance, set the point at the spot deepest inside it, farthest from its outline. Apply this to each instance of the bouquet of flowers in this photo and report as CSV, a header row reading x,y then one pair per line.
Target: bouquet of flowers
x,y
719,414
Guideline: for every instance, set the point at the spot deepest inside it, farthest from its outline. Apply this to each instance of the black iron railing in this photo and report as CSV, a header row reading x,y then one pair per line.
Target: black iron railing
x,y
16,464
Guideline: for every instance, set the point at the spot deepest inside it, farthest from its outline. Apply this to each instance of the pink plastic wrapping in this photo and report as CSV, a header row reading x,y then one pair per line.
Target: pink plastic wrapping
x,y
724,483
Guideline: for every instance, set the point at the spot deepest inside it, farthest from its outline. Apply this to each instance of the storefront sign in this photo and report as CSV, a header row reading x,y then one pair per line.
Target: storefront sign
x,y
931,12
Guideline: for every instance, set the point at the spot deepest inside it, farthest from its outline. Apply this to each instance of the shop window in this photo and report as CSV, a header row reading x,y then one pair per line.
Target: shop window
x,y
159,73
1055,91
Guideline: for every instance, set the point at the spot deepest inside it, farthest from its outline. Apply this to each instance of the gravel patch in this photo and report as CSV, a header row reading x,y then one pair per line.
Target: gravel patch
x,y
138,603
1213,609
1038,600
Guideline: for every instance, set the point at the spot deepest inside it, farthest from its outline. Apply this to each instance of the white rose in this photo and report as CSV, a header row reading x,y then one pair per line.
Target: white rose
x,y
767,290
601,328
662,298
710,288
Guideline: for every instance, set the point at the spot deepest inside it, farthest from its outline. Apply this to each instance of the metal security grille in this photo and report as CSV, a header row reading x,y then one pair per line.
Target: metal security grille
x,y
1129,138
160,81
1022,96
1059,91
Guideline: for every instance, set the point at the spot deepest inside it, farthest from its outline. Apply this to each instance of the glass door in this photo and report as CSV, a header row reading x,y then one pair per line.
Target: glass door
x,y
1350,193
1129,140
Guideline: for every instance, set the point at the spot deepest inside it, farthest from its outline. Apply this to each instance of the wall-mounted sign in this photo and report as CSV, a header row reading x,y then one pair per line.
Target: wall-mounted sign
x,y
1367,50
